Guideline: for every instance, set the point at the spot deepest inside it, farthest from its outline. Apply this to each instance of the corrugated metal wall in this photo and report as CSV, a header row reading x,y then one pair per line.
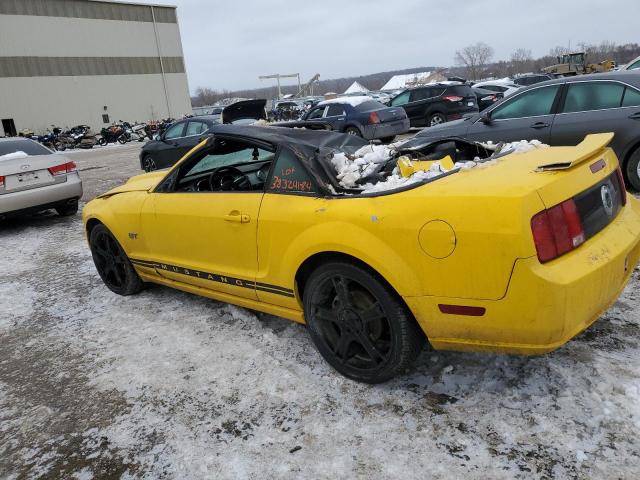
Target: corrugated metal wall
x,y
87,9
72,66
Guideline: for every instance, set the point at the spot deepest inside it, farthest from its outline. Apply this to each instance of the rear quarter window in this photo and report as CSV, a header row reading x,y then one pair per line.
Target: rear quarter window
x,y
460,90
631,98
289,176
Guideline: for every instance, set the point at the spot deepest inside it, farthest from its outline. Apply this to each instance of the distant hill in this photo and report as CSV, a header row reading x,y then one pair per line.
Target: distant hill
x,y
373,81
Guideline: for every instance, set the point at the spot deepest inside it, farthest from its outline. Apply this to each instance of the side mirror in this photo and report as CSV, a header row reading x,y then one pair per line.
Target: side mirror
x,y
485,118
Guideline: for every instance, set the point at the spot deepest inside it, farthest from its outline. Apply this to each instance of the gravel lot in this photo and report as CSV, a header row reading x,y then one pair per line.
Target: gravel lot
x,y
169,385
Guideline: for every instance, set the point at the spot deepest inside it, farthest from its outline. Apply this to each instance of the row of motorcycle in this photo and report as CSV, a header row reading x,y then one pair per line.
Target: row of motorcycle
x,y
82,136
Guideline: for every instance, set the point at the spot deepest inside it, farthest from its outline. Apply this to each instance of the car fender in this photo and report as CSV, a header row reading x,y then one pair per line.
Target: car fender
x,y
359,243
121,215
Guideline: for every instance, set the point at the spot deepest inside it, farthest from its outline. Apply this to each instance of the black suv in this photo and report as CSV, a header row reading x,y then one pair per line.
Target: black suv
x,y
436,103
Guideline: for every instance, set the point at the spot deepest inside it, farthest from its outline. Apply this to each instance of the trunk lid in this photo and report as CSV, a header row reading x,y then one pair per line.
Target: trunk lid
x,y
245,110
30,163
391,114
32,171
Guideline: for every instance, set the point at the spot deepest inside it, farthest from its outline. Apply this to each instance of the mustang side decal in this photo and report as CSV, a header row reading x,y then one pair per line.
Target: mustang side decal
x,y
214,277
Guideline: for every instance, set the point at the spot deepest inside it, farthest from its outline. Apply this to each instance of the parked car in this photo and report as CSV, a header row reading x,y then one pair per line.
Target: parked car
x,y
562,112
167,148
505,87
632,65
256,217
486,98
33,179
531,79
434,104
360,116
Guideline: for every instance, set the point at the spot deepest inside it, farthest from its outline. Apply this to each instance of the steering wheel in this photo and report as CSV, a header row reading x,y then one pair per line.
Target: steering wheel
x,y
228,178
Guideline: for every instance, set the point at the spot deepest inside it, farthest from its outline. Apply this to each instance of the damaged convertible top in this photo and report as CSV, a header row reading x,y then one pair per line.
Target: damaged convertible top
x,y
348,165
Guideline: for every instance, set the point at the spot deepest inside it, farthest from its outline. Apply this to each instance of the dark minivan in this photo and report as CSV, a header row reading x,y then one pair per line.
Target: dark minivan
x,y
437,103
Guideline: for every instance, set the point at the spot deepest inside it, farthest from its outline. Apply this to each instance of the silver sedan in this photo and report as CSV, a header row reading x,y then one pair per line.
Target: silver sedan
x,y
33,178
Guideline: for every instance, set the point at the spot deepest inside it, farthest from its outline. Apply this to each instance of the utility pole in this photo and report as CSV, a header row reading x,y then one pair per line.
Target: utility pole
x,y
278,76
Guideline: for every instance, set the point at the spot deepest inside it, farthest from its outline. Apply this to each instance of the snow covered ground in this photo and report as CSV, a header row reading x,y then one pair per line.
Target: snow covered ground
x,y
169,385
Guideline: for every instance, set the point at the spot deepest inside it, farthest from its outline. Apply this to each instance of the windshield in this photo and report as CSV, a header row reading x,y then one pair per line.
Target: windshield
x,y
23,145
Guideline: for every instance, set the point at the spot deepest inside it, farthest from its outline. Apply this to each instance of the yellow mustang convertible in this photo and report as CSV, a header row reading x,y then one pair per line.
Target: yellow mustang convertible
x,y
377,248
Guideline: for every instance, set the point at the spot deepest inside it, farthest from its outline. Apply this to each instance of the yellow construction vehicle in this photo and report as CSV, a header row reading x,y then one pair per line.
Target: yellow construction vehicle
x,y
576,64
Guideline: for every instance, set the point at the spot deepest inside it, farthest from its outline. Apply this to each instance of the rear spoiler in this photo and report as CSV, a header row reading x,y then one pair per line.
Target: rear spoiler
x,y
590,146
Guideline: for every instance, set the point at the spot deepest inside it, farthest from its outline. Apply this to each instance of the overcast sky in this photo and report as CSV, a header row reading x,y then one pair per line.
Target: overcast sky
x,y
229,43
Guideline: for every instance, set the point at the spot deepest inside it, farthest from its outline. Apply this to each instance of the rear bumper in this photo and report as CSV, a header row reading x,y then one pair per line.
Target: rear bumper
x,y
545,305
382,130
41,198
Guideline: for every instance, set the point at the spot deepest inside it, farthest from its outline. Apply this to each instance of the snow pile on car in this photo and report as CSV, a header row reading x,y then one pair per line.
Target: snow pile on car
x,y
14,155
516,147
353,101
351,170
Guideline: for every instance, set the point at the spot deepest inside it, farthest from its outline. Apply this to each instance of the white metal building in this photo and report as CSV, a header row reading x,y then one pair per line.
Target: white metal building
x,y
70,62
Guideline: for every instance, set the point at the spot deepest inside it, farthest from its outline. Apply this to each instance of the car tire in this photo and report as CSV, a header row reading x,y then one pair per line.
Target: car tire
x,y
148,164
388,139
436,119
67,209
338,298
112,262
353,131
632,170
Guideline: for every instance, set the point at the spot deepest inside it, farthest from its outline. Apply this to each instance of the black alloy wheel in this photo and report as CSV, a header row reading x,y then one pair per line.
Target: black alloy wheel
x,y
359,324
112,263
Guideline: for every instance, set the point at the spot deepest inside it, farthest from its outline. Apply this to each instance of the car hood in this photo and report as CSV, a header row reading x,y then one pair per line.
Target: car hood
x,y
246,109
139,183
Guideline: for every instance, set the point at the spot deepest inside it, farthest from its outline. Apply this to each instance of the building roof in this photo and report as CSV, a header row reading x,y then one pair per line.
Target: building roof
x,y
135,3
403,81
356,88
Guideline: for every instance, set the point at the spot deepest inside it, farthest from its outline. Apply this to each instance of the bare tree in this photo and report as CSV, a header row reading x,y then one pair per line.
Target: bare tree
x,y
558,51
474,58
521,61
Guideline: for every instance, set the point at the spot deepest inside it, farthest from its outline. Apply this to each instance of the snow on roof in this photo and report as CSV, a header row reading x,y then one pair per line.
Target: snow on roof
x,y
353,101
356,88
402,81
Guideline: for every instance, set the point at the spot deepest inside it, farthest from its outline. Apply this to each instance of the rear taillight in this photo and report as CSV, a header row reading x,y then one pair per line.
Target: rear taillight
x,y
623,188
373,117
557,230
63,169
1,181
453,98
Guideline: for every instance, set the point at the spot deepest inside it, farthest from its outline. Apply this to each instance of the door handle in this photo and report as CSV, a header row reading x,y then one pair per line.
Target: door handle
x,y
538,125
635,116
237,217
